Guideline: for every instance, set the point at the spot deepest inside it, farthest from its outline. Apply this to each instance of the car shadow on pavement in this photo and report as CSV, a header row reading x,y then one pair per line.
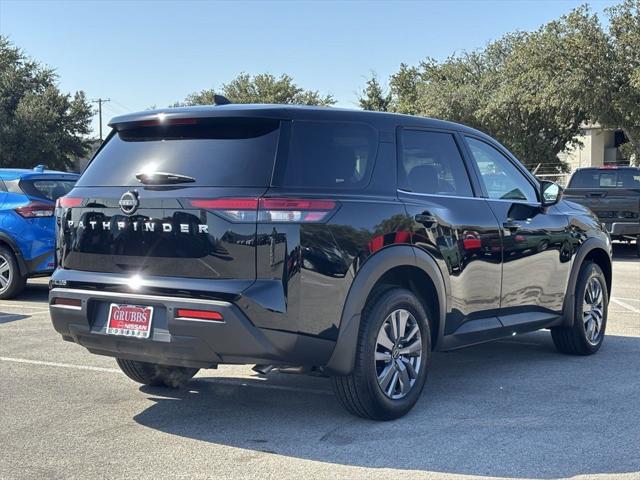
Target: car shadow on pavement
x,y
513,408
6,317
36,291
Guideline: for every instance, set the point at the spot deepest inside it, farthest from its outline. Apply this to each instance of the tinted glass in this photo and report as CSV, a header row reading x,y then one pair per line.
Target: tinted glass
x,y
623,178
216,152
49,189
501,178
329,155
430,162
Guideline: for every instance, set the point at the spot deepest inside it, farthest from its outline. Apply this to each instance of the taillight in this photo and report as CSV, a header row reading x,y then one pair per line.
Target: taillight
x,y
68,202
36,210
269,210
188,314
294,210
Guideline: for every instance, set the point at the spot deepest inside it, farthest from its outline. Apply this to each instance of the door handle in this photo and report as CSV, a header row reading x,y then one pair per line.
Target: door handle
x,y
511,225
426,219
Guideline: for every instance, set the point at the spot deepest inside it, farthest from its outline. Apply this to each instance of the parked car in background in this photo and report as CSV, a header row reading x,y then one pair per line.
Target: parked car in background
x,y
613,194
27,226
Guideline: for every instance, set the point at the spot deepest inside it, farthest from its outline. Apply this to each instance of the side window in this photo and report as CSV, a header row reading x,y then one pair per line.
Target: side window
x,y
332,155
430,162
501,178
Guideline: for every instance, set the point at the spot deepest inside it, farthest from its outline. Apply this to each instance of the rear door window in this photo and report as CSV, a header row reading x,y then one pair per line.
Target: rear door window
x,y
430,162
224,152
328,155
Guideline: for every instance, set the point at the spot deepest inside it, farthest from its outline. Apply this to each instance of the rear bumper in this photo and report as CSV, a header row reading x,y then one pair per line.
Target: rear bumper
x,y
620,228
175,341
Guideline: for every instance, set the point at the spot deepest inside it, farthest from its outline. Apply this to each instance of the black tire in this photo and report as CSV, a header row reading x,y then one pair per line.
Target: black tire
x,y
638,245
574,340
12,282
360,392
156,375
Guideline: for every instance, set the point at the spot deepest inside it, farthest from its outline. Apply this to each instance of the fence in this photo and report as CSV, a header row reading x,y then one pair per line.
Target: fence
x,y
560,178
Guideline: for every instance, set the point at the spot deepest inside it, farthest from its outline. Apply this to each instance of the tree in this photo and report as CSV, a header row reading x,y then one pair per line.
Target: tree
x,y
621,105
38,123
262,88
531,90
373,97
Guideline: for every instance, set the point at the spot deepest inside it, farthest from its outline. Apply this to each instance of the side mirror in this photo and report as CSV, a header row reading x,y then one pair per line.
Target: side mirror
x,y
550,193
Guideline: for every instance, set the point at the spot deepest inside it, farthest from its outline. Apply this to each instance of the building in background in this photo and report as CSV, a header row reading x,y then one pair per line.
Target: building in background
x,y
600,147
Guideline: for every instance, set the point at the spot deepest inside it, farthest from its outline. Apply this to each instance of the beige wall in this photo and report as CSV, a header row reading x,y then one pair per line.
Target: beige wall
x,y
595,141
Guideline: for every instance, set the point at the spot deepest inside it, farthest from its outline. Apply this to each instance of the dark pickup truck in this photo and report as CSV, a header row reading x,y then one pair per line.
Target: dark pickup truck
x,y
613,194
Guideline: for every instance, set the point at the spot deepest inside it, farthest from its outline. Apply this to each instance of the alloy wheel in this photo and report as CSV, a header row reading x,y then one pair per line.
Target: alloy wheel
x,y
398,353
593,310
5,273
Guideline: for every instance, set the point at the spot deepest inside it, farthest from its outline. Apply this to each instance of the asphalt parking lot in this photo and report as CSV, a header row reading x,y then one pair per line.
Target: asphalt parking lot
x,y
514,409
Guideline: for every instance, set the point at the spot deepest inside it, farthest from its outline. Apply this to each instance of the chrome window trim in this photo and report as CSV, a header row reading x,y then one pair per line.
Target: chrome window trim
x,y
524,202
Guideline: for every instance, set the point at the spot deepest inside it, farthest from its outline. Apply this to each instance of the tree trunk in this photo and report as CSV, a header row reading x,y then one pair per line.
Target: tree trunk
x,y
633,134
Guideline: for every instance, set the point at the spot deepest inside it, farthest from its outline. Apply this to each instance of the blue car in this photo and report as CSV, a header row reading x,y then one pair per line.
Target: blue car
x,y
27,224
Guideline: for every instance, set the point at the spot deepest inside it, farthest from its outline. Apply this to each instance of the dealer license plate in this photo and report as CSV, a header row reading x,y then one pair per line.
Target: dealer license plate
x,y
129,320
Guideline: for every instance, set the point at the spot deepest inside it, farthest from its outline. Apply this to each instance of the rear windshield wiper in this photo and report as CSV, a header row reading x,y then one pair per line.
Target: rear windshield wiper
x,y
163,178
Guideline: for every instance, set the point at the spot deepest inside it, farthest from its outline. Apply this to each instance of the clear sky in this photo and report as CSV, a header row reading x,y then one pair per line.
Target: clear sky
x,y
144,53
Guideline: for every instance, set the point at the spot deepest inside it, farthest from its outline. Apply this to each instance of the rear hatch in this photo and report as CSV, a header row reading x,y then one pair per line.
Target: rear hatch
x,y
171,198
32,196
613,194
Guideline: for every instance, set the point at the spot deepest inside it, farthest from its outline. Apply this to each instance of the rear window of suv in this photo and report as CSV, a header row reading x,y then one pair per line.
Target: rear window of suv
x,y
612,178
50,189
216,152
328,155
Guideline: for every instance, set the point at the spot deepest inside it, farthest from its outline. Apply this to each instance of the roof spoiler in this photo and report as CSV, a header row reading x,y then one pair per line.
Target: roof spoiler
x,y
220,100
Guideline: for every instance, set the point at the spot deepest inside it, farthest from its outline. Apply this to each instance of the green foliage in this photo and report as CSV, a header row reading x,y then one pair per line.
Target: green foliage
x,y
628,152
530,90
373,97
262,88
38,123
621,107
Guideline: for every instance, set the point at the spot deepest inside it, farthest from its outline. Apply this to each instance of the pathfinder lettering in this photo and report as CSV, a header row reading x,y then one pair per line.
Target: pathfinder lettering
x,y
140,226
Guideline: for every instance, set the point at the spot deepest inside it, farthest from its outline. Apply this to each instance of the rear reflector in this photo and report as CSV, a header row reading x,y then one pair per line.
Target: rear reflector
x,y
67,202
199,315
36,210
269,210
67,302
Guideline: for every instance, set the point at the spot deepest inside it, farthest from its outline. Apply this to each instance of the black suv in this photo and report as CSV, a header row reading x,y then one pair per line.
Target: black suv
x,y
342,243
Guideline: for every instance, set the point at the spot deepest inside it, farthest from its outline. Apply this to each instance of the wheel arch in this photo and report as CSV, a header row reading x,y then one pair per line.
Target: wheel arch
x,y
593,250
401,265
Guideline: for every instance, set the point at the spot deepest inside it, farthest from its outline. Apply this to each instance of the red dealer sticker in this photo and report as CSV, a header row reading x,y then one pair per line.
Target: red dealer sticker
x,y
129,320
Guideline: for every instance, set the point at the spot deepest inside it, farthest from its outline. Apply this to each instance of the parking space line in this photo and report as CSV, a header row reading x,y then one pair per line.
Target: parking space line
x,y
235,382
617,301
24,307
59,365
30,312
628,299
